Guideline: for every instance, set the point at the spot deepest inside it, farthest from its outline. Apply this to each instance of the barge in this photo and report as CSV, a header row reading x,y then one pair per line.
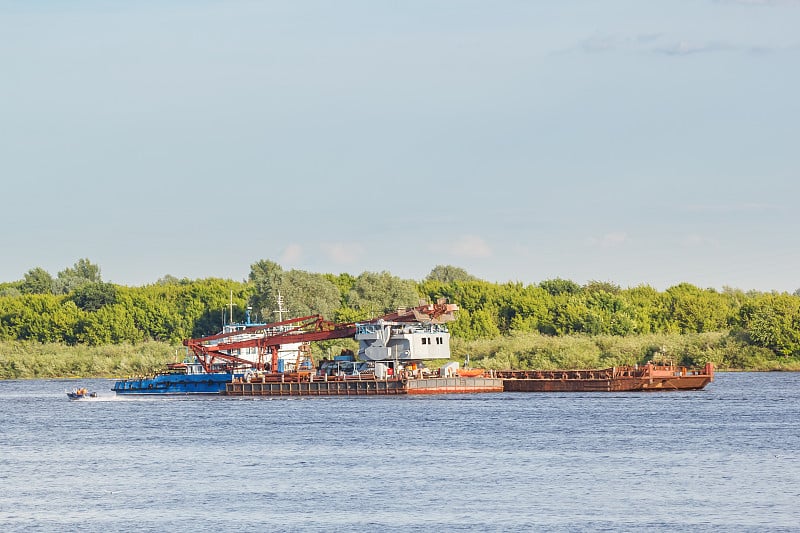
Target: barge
x,y
648,377
248,359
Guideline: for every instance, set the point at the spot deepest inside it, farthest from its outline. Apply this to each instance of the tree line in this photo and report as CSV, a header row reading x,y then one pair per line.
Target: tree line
x,y
76,307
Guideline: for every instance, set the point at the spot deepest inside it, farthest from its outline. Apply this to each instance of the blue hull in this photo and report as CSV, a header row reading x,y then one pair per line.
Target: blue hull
x,y
174,384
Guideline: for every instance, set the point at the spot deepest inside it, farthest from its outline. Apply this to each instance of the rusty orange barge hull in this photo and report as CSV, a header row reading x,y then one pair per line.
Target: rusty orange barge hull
x,y
617,379
648,377
364,387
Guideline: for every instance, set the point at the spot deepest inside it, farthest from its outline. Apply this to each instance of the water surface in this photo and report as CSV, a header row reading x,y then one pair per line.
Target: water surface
x,y
721,459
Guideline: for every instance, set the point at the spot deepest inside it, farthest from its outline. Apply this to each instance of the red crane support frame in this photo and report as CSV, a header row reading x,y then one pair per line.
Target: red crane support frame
x,y
305,329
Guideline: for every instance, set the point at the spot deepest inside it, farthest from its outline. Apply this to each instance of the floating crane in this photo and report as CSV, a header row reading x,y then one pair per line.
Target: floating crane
x,y
374,334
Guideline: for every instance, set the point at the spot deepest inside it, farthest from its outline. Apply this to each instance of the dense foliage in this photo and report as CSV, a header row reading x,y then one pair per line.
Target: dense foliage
x,y
504,324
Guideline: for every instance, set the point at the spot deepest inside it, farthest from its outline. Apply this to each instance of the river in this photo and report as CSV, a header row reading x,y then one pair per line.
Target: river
x,y
722,459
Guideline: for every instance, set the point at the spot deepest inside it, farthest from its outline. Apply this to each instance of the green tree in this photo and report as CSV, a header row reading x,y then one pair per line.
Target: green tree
x,y
111,324
81,273
266,279
473,295
524,309
44,318
10,289
608,310
169,279
37,281
695,310
307,294
773,321
344,282
379,293
478,324
560,286
642,303
602,286
569,314
449,274
348,315
94,295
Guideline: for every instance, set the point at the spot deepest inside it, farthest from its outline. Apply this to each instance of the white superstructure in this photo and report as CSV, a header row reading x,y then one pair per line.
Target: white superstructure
x,y
402,341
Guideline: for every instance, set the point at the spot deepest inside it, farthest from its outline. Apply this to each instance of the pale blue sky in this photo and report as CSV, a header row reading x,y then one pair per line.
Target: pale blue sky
x,y
635,142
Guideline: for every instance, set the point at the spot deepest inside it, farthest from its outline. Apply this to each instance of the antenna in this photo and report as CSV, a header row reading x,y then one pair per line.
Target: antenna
x,y
280,307
231,307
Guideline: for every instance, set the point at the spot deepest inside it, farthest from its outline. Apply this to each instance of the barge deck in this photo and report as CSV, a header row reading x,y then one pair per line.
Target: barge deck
x,y
364,387
649,377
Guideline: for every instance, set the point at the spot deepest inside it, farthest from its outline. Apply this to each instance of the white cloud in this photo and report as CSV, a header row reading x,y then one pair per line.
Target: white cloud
x,y
292,254
658,43
600,43
609,240
685,48
470,246
746,207
694,240
343,252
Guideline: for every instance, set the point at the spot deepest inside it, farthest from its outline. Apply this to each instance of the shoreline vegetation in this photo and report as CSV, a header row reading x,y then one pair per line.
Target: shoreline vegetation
x,y
32,360
542,352
75,324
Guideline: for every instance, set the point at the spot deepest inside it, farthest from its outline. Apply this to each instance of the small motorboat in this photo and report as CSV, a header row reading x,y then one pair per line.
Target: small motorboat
x,y
80,394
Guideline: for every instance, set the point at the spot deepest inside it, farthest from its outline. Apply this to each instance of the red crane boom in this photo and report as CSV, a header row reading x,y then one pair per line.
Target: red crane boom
x,y
268,338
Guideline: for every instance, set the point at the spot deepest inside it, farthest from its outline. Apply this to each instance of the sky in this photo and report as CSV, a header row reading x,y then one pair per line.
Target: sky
x,y
624,141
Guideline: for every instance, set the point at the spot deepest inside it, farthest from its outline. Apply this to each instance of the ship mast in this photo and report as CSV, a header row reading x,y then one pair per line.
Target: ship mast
x,y
280,307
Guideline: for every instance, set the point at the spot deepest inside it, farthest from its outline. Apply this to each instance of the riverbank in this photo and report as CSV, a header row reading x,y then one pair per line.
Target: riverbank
x,y
541,352
31,360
